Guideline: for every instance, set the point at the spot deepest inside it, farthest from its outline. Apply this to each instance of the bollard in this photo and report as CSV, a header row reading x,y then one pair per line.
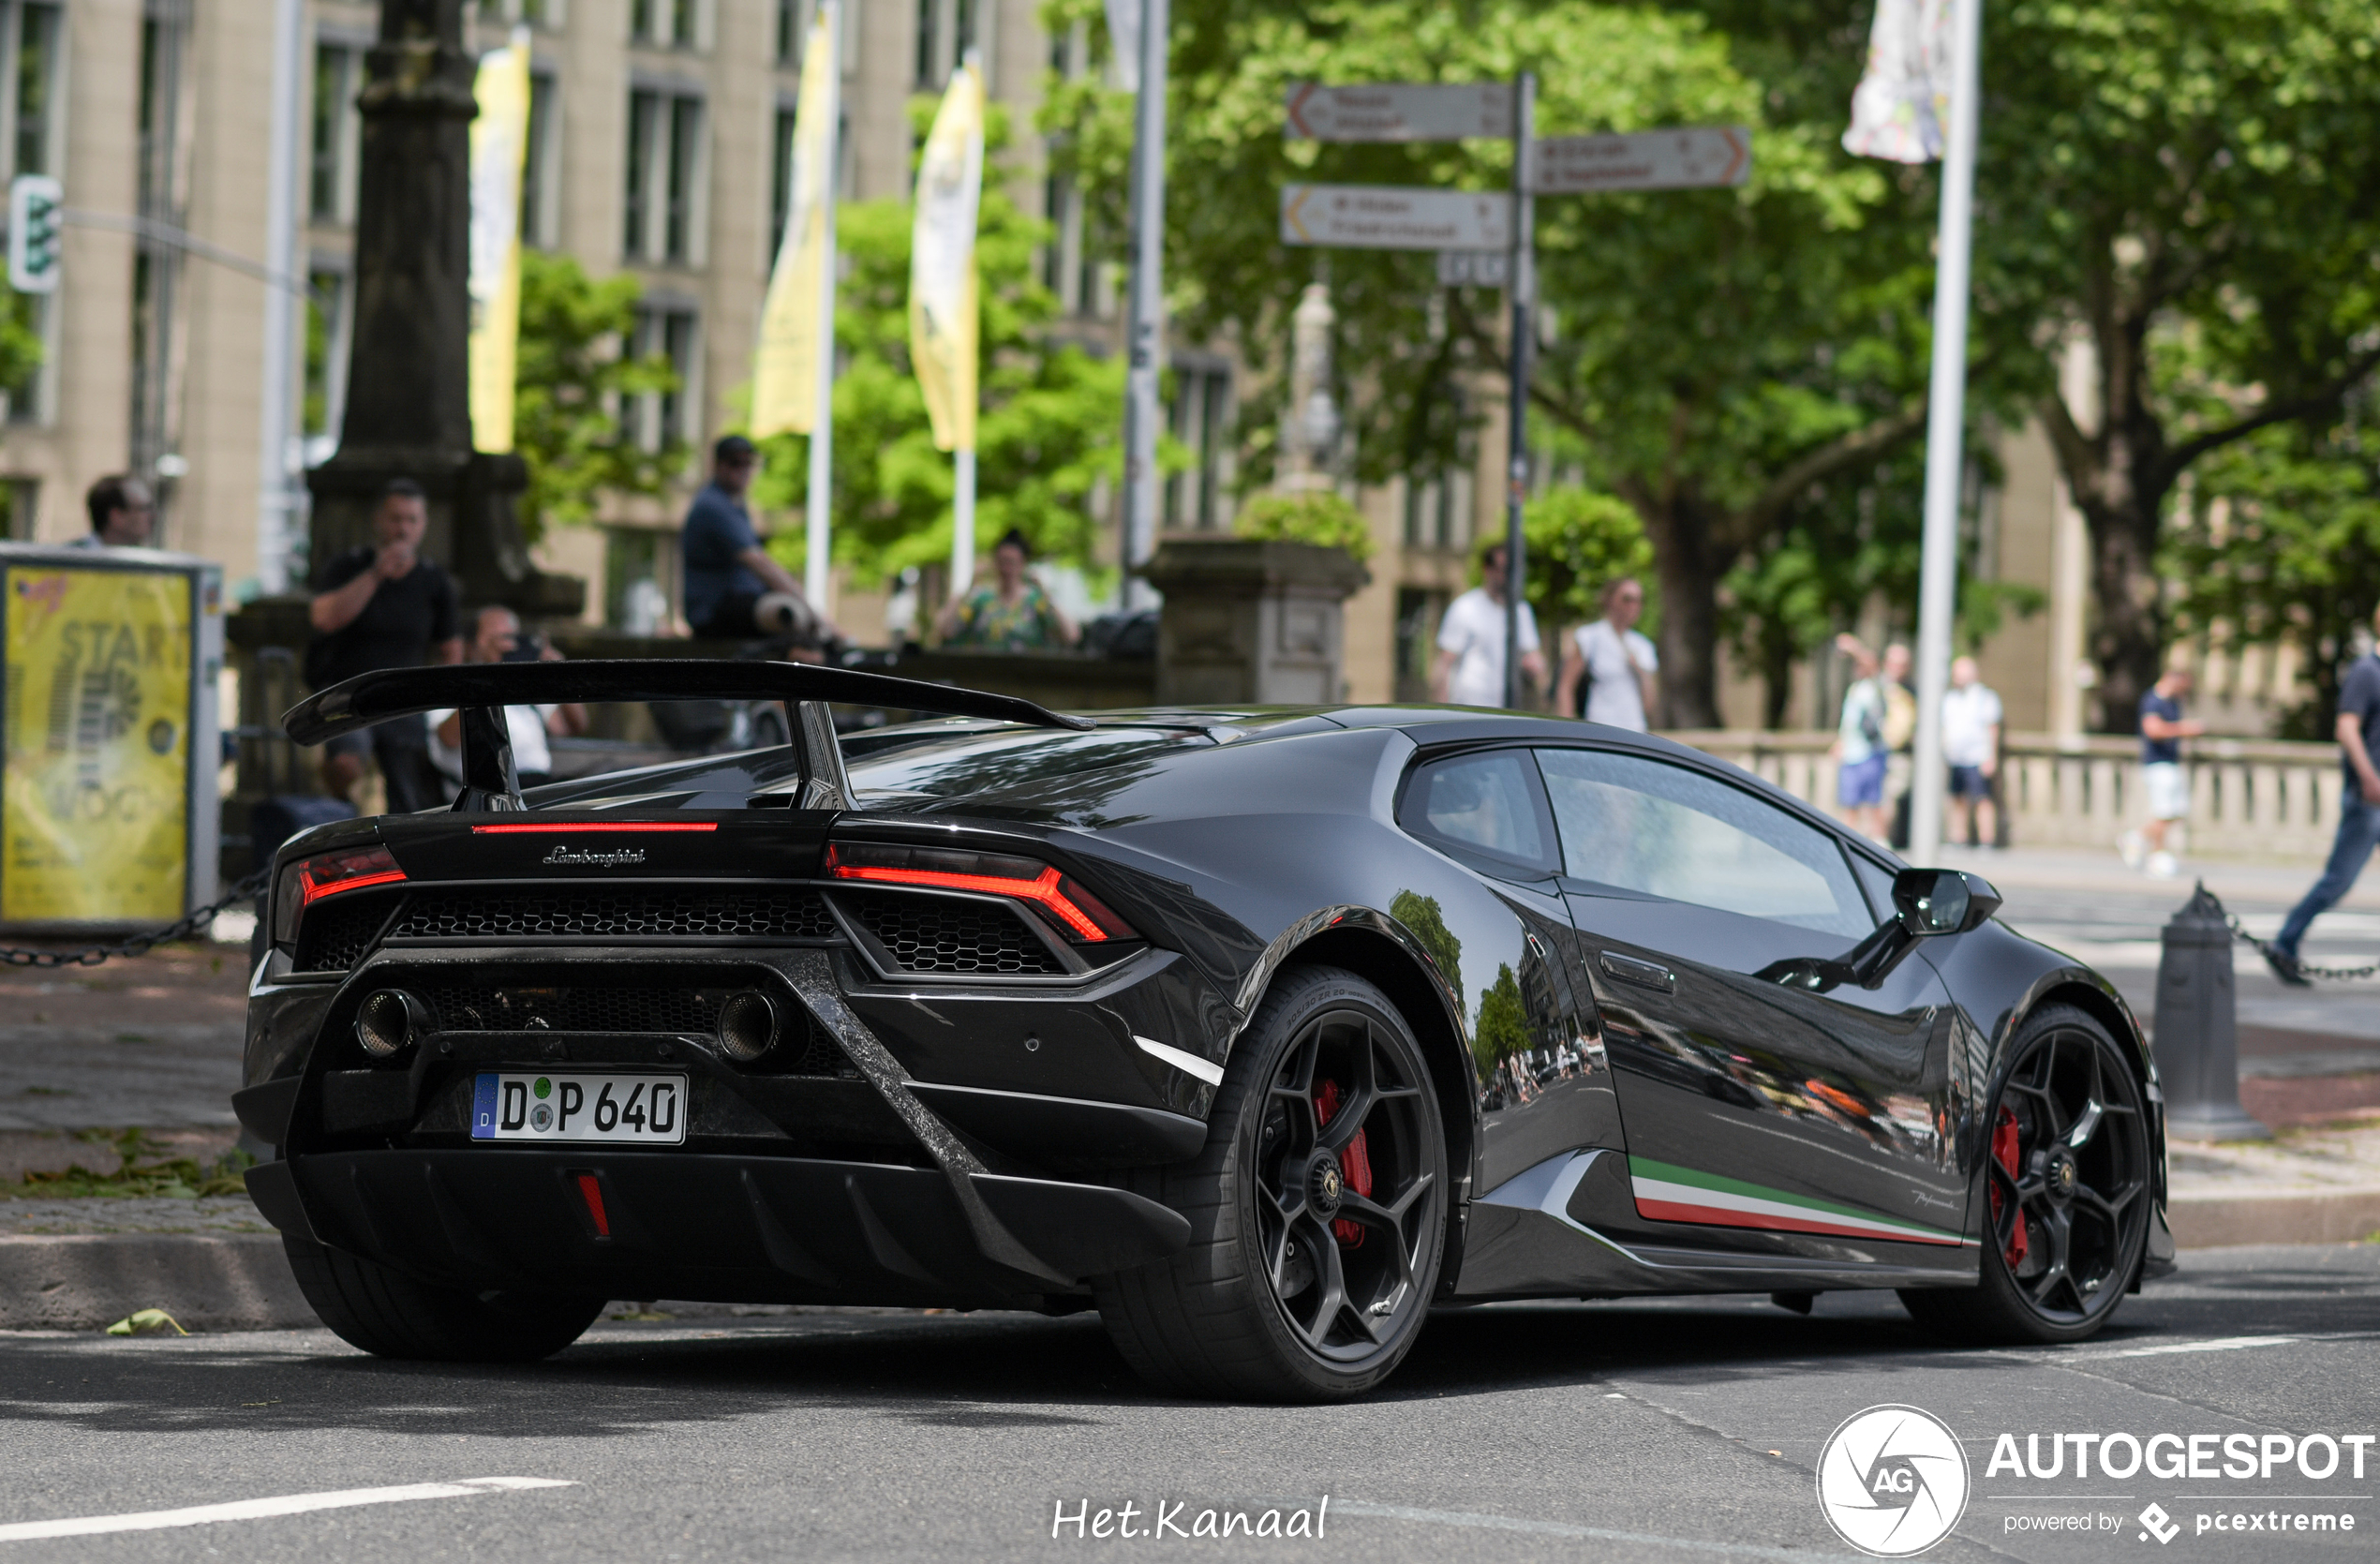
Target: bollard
x,y
2197,1041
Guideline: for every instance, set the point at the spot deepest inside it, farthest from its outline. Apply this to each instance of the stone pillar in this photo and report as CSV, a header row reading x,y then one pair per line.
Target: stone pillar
x,y
407,399
1252,622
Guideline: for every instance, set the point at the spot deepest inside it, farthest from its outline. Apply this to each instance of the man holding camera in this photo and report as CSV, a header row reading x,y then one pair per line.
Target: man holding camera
x,y
496,637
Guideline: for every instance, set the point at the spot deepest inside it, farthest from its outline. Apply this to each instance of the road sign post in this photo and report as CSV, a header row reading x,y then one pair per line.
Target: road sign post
x,y
1522,289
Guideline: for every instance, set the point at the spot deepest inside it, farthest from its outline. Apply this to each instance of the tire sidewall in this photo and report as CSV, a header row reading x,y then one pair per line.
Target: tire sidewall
x,y
1295,1002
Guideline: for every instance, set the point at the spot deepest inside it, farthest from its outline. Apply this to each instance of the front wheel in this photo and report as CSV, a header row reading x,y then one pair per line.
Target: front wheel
x,y
1318,1209
2066,1180
391,1315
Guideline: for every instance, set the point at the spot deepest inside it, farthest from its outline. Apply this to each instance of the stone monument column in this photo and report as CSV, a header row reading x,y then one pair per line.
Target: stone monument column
x,y
407,396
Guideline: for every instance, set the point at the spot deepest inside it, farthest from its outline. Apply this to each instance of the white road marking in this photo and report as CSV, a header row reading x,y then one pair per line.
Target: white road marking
x,y
1590,1533
258,1509
2217,1343
1188,1064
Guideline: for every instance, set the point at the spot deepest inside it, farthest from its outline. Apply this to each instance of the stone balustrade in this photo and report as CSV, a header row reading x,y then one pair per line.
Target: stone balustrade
x,y
2248,798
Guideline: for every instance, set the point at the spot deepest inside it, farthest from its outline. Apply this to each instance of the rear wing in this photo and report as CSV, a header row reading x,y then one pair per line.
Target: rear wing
x,y
481,691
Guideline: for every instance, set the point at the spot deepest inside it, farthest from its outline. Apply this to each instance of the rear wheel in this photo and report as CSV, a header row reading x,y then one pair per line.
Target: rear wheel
x,y
1318,1209
391,1315
2067,1190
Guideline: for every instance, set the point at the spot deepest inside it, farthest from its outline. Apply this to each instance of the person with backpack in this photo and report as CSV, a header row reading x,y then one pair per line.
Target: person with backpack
x,y
1608,668
384,606
2357,729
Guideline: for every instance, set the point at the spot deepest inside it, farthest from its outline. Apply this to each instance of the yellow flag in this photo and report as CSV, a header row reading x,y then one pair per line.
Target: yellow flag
x,y
499,154
942,262
793,317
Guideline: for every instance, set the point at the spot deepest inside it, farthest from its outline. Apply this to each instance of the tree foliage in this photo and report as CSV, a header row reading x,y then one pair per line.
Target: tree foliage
x,y
1322,516
572,381
1050,416
1580,541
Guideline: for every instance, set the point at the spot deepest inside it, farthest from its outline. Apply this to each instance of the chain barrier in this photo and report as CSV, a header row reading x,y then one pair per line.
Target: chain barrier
x,y
2303,969
184,927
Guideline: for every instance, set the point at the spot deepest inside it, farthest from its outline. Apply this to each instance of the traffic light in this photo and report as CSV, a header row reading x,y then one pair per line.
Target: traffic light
x,y
37,206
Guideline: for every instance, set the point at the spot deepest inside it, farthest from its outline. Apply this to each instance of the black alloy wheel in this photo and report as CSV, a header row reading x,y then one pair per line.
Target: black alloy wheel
x,y
2066,1191
1318,1209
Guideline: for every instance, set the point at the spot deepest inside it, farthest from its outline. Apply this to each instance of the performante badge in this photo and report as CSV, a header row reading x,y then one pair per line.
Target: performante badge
x,y
1893,1480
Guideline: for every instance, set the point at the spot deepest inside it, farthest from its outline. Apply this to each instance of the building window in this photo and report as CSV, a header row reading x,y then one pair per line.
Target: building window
x,y
671,24
637,567
31,87
945,31
1200,419
791,16
338,128
537,13
780,179
659,419
665,167
1438,510
1417,612
20,507
323,403
540,167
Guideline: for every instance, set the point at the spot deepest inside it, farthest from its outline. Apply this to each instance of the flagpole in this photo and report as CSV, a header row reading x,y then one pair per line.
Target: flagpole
x,y
962,521
1141,411
818,517
1945,424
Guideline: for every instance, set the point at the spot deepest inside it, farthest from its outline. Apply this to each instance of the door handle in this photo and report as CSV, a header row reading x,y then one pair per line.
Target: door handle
x,y
1645,975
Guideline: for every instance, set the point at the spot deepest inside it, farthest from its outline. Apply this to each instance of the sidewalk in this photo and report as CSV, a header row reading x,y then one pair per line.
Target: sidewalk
x,y
154,1043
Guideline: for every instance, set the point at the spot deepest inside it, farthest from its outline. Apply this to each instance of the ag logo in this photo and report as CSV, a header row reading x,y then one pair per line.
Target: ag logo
x,y
1893,1480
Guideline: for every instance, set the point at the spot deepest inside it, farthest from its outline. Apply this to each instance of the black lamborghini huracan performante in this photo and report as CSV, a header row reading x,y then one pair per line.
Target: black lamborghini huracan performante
x,y
1263,1032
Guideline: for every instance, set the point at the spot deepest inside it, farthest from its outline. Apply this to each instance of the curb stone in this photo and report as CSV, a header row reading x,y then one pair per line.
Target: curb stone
x,y
2217,1221
205,1281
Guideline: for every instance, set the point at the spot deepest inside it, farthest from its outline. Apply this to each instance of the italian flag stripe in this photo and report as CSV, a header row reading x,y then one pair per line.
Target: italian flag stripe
x,y
1666,1192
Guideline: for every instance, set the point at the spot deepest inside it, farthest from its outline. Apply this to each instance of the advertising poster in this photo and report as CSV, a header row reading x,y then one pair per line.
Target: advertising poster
x,y
95,818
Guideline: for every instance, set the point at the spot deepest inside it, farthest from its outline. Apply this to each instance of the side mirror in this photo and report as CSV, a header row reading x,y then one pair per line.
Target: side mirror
x,y
1932,902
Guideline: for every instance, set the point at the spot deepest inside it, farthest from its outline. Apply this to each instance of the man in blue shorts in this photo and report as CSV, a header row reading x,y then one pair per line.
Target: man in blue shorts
x,y
1859,743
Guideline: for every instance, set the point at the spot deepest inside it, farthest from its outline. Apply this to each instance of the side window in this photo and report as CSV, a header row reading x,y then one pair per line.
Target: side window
x,y
1669,832
1486,804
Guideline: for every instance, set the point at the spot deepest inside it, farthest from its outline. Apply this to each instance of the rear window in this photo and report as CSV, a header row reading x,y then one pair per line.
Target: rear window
x,y
930,763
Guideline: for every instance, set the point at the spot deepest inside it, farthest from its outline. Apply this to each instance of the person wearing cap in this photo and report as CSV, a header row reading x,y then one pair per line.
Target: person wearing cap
x,y
734,590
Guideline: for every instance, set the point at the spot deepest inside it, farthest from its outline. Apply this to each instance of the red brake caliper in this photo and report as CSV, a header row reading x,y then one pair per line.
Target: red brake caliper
x,y
1355,1163
2004,1152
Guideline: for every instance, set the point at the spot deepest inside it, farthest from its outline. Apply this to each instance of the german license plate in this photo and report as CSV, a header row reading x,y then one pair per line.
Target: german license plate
x,y
555,1105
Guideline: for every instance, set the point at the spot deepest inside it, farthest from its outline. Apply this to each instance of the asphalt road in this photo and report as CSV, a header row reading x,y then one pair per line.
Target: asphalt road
x,y
1670,1431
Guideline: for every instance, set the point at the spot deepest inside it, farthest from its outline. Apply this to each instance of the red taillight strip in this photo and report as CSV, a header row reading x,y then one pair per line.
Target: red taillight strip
x,y
609,825
309,893
1043,888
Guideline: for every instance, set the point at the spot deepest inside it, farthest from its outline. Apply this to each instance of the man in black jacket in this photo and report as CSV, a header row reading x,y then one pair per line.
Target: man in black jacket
x,y
384,606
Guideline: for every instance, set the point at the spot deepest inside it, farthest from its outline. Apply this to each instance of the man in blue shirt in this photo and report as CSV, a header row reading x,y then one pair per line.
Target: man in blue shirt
x,y
2359,734
2164,785
733,590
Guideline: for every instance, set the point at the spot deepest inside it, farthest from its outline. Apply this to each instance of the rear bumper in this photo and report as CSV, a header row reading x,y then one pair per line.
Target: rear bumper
x,y
726,1229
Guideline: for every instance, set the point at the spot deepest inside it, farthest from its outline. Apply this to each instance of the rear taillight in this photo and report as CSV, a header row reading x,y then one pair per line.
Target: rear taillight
x,y
309,880
1077,914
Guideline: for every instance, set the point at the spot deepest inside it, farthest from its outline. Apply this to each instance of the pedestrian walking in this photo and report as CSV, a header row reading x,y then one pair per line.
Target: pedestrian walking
x,y
122,514
2358,733
1859,749
1608,668
384,606
2164,785
734,590
1971,748
1469,670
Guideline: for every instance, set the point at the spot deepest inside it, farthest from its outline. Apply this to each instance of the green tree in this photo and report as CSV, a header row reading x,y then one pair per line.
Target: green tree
x,y
2282,547
1716,353
1049,424
571,379
1578,543
20,352
1423,920
1503,1027
2192,188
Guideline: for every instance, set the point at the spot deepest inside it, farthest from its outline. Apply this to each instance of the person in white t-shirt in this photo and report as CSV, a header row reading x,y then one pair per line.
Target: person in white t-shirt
x,y
1971,747
1470,666
1615,658
496,637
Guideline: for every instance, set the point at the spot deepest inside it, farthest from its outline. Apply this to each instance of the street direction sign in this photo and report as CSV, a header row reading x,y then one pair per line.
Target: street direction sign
x,y
1399,112
1393,217
1474,268
1682,159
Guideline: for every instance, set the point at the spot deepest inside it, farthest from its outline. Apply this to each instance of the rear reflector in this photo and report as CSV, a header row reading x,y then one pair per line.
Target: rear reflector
x,y
591,1189
1084,917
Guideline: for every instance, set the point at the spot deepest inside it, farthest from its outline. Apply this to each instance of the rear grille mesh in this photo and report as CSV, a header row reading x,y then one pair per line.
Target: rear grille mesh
x,y
943,934
335,936
771,912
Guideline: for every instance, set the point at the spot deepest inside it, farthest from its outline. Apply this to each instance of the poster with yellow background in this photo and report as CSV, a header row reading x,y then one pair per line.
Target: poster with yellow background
x,y
94,803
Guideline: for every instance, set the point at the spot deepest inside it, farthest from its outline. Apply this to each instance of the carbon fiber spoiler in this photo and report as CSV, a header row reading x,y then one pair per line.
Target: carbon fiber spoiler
x,y
481,691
